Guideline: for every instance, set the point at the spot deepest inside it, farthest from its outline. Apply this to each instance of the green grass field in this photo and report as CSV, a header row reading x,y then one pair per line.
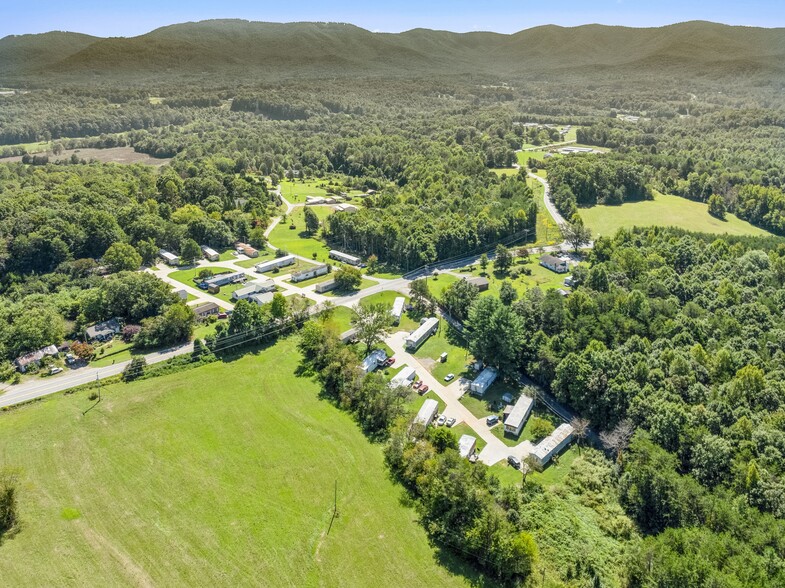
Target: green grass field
x,y
449,340
663,211
221,475
438,284
297,240
295,191
363,285
388,297
264,255
540,277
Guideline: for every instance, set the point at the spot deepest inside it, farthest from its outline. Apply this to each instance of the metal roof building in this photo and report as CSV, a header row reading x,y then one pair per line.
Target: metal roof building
x,y
266,266
427,411
420,335
519,414
552,444
484,381
397,309
466,445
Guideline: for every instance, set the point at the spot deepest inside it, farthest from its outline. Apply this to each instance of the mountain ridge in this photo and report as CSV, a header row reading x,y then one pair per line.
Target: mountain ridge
x,y
225,46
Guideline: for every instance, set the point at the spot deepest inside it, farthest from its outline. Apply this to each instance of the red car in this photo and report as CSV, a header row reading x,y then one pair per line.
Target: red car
x,y
388,362
416,385
423,389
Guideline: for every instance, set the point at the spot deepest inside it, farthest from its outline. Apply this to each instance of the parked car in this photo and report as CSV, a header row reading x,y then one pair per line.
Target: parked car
x,y
55,370
222,315
514,462
450,422
492,420
423,389
441,420
416,385
449,377
388,362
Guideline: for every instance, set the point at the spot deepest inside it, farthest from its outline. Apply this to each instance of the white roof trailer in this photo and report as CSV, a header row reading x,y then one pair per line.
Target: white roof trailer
x,y
552,444
484,381
373,360
397,309
466,445
346,258
421,334
266,266
427,411
209,254
169,258
403,377
520,413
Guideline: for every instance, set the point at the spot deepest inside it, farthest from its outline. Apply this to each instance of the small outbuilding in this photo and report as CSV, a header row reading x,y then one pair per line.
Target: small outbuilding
x,y
482,283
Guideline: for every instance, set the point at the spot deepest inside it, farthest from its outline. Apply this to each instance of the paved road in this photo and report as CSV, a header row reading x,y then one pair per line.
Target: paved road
x,y
549,205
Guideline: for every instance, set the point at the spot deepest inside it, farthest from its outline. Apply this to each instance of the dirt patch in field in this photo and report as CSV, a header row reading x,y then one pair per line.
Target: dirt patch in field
x,y
124,155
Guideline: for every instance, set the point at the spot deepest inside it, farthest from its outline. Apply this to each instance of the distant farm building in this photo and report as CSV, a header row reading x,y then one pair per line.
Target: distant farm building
x,y
278,262
311,272
482,283
210,254
552,445
346,258
420,335
518,415
484,381
555,264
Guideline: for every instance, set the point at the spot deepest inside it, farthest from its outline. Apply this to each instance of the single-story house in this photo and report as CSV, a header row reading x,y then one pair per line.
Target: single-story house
x,y
420,335
346,208
519,415
482,382
103,331
554,264
209,254
205,309
373,360
262,298
255,287
324,287
313,200
427,411
222,280
466,445
551,445
169,258
482,283
404,377
311,272
34,357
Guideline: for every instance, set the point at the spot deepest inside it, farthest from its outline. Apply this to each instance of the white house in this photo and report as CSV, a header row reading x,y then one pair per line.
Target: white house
x,y
374,360
482,382
345,208
209,254
420,335
397,309
519,415
34,357
427,411
345,258
276,262
466,445
311,272
554,264
169,258
404,377
255,287
551,445
261,298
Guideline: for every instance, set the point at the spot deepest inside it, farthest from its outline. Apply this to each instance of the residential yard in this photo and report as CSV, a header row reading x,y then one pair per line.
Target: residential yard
x,y
297,240
449,340
298,265
541,277
554,474
363,285
341,319
114,351
224,474
483,407
388,297
664,211
264,255
438,284
526,434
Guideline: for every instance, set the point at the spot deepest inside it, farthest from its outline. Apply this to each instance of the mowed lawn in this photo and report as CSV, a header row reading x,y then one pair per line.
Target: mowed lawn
x,y
665,211
297,240
222,475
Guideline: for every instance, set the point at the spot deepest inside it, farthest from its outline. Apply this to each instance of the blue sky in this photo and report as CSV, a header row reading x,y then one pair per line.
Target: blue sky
x,y
133,17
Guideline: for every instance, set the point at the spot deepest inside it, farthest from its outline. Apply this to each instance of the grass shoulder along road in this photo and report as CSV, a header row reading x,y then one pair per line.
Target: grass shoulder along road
x,y
218,475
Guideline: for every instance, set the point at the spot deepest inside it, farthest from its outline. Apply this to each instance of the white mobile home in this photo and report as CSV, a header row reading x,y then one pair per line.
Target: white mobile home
x,y
255,287
209,254
466,445
482,382
397,309
427,411
373,361
277,262
345,258
551,445
404,377
324,287
420,335
261,298
169,258
519,415
311,272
